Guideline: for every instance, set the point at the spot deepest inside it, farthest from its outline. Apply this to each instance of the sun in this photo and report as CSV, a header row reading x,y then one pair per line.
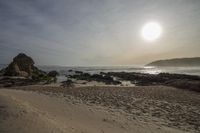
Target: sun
x,y
151,31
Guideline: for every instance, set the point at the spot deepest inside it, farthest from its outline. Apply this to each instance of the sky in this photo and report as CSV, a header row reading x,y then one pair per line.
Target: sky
x,y
97,32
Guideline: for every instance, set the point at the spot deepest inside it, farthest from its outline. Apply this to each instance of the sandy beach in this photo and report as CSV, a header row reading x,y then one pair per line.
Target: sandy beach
x,y
45,109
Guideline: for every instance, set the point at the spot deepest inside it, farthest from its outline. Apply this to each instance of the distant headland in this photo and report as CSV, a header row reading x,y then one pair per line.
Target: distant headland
x,y
177,62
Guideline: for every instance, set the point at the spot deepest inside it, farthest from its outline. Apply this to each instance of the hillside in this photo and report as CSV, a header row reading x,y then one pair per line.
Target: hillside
x,y
195,61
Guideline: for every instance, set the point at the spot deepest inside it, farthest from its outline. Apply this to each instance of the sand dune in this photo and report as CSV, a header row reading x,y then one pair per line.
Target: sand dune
x,y
34,112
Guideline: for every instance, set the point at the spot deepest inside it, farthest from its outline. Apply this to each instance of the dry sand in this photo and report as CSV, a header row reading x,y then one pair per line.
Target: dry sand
x,y
47,109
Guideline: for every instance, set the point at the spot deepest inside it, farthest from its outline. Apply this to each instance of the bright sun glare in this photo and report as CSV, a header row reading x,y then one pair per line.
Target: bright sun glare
x,y
151,31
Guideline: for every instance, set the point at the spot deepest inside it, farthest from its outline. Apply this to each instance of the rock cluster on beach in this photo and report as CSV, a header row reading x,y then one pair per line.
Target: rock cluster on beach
x,y
53,73
109,80
21,71
182,81
22,65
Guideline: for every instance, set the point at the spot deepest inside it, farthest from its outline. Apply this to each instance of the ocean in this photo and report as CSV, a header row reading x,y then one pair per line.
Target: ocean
x,y
141,69
97,69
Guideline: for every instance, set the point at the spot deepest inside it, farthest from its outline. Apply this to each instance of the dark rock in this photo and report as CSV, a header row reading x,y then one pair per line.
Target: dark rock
x,y
68,83
185,84
2,71
182,81
22,65
12,82
96,77
53,73
78,72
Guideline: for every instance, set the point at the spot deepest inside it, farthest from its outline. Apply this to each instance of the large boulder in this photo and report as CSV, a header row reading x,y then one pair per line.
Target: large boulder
x,y
22,65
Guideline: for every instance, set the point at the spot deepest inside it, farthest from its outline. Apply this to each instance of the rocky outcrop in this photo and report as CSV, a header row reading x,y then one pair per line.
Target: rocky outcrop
x,y
21,71
22,65
109,80
182,81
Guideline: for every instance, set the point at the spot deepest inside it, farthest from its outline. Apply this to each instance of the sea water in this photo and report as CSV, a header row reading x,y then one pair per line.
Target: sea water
x,y
97,69
141,69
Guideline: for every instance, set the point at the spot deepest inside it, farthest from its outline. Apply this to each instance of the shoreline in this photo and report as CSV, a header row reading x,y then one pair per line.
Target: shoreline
x,y
130,79
166,103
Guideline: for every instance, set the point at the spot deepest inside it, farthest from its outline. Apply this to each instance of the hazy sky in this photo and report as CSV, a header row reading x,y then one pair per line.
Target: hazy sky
x,y
97,32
